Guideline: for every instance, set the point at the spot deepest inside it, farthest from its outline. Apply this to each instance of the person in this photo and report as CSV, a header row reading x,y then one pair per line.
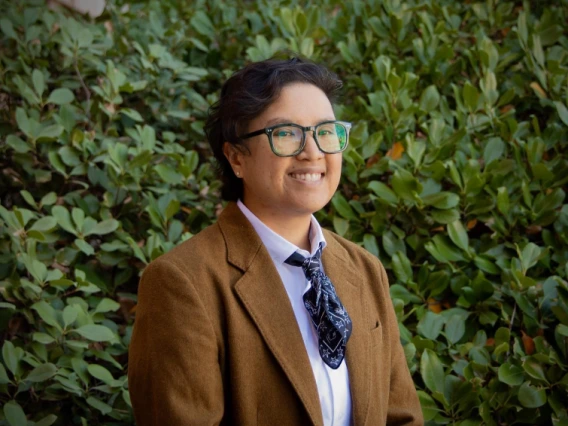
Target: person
x,y
265,318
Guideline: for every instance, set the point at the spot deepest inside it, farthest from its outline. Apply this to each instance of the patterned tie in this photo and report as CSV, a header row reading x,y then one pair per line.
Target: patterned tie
x,y
329,317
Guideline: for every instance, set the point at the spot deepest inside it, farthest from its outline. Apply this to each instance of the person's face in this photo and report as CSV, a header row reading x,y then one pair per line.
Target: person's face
x,y
290,186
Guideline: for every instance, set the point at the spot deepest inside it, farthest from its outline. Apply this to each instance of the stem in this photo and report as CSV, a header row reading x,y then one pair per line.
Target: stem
x,y
85,89
510,327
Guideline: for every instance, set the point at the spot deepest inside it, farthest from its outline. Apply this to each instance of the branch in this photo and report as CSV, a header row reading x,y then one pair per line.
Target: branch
x,y
85,89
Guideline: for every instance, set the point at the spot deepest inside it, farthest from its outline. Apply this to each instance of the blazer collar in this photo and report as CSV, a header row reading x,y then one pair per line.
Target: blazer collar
x,y
263,294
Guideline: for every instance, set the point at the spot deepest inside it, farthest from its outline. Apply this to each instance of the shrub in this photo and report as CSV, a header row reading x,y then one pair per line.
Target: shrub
x,y
455,178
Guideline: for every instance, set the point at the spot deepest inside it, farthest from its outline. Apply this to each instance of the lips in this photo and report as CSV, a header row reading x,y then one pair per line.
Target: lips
x,y
308,177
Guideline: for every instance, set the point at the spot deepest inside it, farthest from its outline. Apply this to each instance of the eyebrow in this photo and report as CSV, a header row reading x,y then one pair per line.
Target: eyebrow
x,y
280,120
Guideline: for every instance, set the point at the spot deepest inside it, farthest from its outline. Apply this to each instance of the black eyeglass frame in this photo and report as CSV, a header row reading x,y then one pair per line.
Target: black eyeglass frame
x,y
268,131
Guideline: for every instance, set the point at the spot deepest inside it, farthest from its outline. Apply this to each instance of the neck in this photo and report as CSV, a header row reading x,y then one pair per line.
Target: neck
x,y
295,229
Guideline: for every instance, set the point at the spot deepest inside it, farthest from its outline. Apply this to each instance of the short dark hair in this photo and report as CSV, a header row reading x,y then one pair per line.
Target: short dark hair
x,y
246,94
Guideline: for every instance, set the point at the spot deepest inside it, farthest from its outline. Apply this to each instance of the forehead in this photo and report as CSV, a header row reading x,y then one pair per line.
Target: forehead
x,y
300,103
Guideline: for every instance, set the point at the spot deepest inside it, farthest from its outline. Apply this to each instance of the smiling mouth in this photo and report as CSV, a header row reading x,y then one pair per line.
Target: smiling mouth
x,y
308,177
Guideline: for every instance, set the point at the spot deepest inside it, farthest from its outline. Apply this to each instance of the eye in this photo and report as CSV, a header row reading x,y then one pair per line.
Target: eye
x,y
283,133
325,132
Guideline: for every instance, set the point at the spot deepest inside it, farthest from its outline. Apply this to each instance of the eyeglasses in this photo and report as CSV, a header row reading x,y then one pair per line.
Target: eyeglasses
x,y
289,139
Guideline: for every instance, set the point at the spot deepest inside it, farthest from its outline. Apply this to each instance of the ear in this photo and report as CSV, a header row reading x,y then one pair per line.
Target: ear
x,y
234,156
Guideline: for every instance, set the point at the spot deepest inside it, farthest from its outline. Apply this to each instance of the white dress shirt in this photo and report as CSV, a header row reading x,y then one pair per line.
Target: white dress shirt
x,y
333,385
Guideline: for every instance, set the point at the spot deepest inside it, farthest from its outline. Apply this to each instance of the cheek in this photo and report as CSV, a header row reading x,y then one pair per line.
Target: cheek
x,y
335,166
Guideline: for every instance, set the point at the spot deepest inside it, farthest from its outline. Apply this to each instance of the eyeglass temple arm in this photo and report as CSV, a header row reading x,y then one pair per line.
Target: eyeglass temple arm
x,y
256,133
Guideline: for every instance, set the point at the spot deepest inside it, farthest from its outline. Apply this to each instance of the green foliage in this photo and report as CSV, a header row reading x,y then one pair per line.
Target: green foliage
x,y
455,177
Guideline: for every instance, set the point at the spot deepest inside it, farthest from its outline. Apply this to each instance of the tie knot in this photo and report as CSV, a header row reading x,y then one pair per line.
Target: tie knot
x,y
308,264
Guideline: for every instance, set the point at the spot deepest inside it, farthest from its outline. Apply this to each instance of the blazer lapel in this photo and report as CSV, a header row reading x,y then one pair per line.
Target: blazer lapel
x,y
348,285
263,294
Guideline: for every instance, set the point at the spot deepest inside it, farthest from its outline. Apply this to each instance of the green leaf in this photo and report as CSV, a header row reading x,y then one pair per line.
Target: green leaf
x,y
17,144
432,371
415,150
47,420
430,325
47,313
370,244
522,28
402,267
101,373
455,328
458,235
42,372
493,150
531,397
50,132
126,397
23,121
132,113
486,265
28,198
61,96
341,226
84,37
38,81
168,174
442,200
42,338
562,111
7,305
48,199
84,246
383,191
80,367
202,24
529,256
69,315
104,227
445,216
172,209
470,96
429,99
11,356
78,216
107,305
392,243
15,414
562,330
96,333
342,207
429,407
8,29
99,405
503,203
405,185
510,374
3,375
63,218
288,20
534,369
45,224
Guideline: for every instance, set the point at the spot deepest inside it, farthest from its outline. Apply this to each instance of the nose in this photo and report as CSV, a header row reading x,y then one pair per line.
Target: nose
x,y
311,150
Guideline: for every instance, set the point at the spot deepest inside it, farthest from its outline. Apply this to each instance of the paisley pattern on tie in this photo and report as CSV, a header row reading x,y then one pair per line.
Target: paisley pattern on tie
x,y
328,315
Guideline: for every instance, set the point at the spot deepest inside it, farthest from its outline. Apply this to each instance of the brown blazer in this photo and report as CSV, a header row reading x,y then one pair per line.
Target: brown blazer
x,y
215,339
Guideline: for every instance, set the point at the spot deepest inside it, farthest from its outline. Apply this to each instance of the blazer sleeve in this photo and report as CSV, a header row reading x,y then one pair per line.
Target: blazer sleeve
x,y
404,406
174,376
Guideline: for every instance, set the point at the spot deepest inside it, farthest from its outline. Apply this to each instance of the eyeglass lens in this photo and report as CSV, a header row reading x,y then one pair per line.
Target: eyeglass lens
x,y
332,138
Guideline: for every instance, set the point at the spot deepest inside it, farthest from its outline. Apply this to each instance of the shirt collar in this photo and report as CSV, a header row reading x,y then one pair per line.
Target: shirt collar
x,y
278,247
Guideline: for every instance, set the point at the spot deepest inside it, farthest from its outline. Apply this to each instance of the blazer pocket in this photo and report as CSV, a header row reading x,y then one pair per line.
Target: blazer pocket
x,y
376,334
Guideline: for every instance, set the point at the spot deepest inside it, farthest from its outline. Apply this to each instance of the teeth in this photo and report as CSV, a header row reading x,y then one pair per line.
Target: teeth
x,y
310,177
